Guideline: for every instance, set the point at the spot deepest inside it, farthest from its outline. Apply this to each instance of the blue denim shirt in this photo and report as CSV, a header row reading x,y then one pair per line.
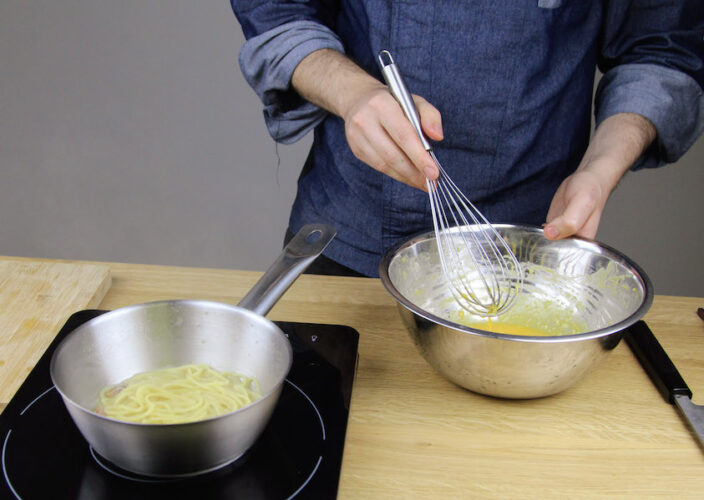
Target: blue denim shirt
x,y
512,80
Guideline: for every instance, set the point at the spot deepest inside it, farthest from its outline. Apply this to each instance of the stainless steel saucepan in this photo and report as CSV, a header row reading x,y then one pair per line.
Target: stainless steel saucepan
x,y
138,338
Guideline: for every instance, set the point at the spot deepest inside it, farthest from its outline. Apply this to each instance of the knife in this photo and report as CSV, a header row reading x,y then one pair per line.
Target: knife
x,y
663,373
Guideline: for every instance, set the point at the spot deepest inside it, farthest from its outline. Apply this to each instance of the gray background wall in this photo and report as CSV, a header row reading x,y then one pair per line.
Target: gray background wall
x,y
127,133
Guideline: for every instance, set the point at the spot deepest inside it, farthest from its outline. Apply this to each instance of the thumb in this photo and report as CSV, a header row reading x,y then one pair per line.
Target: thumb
x,y
580,217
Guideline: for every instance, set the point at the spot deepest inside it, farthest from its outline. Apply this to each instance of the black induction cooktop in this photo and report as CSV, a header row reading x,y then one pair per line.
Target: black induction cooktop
x,y
298,455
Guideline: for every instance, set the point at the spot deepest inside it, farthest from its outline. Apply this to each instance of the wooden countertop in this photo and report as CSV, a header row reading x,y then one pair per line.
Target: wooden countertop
x,y
412,434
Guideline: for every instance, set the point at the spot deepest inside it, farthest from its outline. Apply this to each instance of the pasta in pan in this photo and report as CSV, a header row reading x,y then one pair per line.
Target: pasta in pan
x,y
175,395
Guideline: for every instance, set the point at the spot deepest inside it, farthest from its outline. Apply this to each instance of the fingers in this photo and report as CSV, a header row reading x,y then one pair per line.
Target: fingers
x,y
564,227
430,119
378,150
380,135
576,208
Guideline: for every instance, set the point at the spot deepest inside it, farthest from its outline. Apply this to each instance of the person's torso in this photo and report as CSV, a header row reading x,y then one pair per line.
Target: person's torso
x,y
513,82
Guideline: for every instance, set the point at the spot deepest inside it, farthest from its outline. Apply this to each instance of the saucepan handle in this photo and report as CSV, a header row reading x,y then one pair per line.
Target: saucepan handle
x,y
300,252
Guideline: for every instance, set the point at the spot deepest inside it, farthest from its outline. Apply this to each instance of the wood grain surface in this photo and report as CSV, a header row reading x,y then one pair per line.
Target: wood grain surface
x,y
412,434
35,300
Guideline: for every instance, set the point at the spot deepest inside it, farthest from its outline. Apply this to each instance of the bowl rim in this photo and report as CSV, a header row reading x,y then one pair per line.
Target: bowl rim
x,y
637,271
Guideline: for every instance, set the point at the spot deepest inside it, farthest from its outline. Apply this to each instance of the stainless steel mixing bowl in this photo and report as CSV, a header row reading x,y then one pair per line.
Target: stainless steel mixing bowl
x,y
585,290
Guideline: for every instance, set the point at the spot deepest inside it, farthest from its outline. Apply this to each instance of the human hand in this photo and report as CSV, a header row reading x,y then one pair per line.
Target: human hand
x,y
579,202
380,135
577,206
377,131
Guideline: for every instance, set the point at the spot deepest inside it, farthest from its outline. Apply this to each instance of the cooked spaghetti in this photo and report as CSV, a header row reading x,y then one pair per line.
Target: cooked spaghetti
x,y
176,395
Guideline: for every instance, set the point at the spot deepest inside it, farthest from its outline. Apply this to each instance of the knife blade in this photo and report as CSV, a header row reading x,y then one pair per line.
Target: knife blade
x,y
665,376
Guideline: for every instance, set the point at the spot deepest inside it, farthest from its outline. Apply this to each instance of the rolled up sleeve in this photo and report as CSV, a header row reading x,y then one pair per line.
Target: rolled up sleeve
x,y
267,62
672,100
652,56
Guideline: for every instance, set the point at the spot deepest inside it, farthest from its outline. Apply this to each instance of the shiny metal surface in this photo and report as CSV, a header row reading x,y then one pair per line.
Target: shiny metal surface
x,y
143,337
476,262
567,284
693,414
397,88
300,252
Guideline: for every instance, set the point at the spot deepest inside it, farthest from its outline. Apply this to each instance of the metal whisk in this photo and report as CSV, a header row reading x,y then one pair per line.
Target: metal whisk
x,y
484,274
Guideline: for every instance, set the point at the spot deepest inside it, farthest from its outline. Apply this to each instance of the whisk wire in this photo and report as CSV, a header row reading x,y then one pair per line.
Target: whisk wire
x,y
483,273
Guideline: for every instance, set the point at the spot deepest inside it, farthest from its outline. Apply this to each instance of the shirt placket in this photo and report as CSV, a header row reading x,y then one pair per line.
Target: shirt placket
x,y
410,43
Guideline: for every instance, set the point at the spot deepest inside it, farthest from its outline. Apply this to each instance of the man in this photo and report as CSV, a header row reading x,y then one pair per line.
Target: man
x,y
506,91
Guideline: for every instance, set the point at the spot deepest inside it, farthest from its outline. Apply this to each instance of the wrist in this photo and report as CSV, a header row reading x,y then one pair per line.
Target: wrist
x,y
351,92
617,144
332,81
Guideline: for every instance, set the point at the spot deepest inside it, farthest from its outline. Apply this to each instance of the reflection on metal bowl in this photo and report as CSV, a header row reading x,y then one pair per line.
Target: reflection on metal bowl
x,y
582,293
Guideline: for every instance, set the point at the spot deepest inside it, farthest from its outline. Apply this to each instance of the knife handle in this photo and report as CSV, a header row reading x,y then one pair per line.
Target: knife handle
x,y
656,362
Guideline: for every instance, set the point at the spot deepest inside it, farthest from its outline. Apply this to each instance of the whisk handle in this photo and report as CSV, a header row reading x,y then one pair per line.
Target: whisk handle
x,y
398,89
